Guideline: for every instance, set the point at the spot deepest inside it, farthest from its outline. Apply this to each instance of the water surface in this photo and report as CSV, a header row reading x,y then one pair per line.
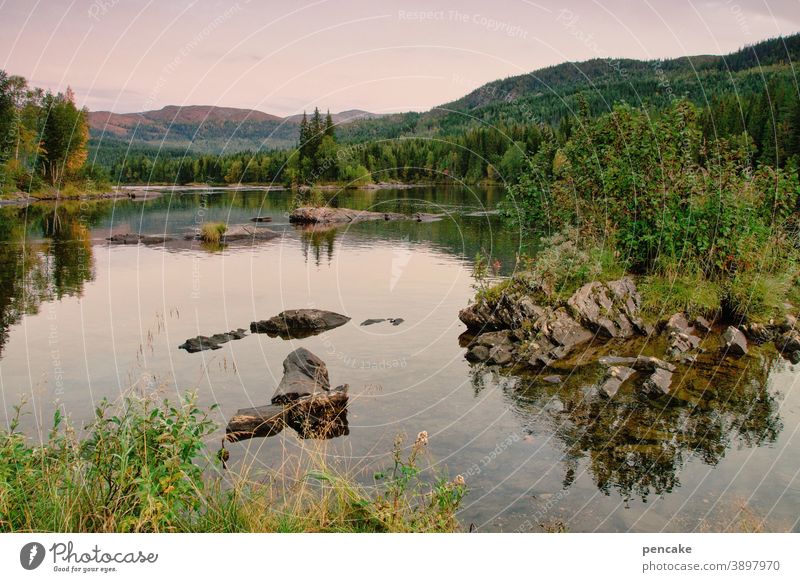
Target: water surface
x,y
81,320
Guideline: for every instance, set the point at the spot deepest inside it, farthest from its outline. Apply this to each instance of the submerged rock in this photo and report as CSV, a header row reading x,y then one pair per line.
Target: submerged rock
x,y
328,215
214,342
680,335
639,363
393,320
299,323
133,239
615,377
658,383
735,341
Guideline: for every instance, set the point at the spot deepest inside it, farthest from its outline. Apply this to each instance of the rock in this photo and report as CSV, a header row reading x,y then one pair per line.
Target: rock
x,y
299,323
263,421
303,401
788,342
611,309
201,342
639,363
261,219
678,324
320,415
510,311
760,333
237,233
304,374
794,357
702,324
562,329
393,320
133,239
500,355
615,377
427,217
658,383
477,354
789,322
552,379
735,341
328,215
682,342
494,347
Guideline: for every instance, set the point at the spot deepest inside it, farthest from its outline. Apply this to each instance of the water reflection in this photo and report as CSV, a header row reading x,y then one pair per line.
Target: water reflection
x,y
45,254
635,446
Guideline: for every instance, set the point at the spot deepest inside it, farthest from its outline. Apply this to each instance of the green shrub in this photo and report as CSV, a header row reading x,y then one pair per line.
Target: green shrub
x,y
144,467
211,232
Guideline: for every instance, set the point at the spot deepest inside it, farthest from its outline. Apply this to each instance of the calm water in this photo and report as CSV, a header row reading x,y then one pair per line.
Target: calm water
x,y
81,319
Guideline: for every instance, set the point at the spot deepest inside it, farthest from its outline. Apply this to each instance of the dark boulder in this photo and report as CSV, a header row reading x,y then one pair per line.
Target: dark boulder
x,y
304,374
735,341
214,342
299,323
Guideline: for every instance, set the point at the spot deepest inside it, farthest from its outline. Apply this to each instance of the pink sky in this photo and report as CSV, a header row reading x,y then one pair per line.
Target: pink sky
x,y
382,56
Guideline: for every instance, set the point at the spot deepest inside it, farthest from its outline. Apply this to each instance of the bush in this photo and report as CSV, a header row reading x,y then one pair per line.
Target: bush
x,y
211,232
649,191
144,467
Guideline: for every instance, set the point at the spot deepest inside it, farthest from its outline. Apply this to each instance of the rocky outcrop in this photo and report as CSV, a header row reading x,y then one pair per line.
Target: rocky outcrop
x,y
735,341
214,342
238,233
610,309
303,400
135,239
299,323
328,215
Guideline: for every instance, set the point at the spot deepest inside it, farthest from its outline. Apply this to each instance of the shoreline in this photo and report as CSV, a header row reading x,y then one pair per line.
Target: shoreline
x,y
151,191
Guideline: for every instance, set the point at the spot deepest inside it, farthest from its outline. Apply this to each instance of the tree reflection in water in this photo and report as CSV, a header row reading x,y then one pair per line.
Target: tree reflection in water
x,y
45,254
635,445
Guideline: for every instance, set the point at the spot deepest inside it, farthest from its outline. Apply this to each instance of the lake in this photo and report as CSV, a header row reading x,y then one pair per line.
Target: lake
x,y
81,319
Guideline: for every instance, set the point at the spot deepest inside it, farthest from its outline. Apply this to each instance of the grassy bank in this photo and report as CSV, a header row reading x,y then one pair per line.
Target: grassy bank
x,y
146,466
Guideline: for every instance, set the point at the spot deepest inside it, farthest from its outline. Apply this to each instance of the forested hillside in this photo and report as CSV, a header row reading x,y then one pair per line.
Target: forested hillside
x,y
489,133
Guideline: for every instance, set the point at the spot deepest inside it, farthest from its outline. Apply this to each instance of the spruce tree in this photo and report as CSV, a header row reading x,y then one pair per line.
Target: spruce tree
x,y
329,130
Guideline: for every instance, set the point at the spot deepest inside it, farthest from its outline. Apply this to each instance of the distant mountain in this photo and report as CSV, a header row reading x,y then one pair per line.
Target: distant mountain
x,y
342,117
205,128
548,95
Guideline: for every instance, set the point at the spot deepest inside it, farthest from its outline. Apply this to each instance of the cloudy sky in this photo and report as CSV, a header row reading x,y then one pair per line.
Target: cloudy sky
x,y
379,55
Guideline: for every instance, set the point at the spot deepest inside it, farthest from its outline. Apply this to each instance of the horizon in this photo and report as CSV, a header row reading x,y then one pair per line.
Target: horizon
x,y
282,62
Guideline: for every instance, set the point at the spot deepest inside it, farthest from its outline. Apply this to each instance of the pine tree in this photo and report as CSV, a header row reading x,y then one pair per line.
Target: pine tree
x,y
329,129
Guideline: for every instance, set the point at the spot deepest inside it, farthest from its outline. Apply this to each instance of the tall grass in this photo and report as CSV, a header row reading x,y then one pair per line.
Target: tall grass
x,y
212,232
144,466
